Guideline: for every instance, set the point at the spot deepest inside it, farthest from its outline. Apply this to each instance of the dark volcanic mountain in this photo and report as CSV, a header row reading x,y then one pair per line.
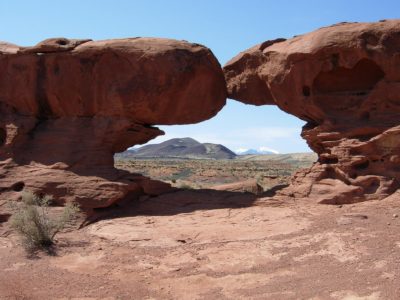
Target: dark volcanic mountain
x,y
180,148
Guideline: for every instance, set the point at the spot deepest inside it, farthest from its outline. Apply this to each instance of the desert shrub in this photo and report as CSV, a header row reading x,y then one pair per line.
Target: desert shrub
x,y
185,186
33,222
182,174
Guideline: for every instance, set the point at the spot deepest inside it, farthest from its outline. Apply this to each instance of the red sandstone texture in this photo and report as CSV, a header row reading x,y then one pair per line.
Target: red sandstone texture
x,y
66,106
344,81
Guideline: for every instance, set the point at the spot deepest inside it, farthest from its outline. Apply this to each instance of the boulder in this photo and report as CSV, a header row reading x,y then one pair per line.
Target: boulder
x,y
249,186
344,82
66,106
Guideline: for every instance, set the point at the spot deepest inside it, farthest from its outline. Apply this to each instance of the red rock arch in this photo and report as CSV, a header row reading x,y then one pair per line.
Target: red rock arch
x,y
66,106
342,80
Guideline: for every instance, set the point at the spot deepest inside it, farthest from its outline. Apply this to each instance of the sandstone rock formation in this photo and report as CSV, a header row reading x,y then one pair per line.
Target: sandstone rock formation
x,y
344,81
66,106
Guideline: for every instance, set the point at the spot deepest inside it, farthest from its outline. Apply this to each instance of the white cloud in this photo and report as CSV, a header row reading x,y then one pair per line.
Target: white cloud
x,y
241,150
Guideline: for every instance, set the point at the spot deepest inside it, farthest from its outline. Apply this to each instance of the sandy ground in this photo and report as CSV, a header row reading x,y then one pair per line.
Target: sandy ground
x,y
216,245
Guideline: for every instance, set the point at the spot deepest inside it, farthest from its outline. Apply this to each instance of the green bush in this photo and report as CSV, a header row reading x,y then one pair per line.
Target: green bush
x,y
33,222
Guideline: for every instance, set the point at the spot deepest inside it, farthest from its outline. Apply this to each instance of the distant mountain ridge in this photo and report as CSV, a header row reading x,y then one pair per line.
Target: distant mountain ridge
x,y
300,160
188,148
254,152
180,148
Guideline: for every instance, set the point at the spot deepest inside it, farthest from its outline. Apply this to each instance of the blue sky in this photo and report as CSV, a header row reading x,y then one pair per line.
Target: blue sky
x,y
225,26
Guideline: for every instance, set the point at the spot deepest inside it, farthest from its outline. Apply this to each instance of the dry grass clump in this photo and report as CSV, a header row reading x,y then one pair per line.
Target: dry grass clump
x,y
33,222
185,186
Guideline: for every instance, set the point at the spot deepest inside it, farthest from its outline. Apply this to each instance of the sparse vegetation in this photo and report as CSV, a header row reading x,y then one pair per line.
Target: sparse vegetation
x,y
200,174
185,186
32,220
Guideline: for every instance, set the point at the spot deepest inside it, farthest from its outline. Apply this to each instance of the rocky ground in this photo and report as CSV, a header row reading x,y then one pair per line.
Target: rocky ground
x,y
267,170
203,244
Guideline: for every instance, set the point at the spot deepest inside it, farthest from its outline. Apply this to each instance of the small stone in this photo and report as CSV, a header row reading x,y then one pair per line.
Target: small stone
x,y
344,221
387,223
395,215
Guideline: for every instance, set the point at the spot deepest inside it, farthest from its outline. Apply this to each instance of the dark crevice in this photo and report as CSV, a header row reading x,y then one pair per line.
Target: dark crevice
x,y
39,122
362,165
335,60
3,136
4,217
44,109
362,138
353,175
62,42
328,160
355,151
18,186
149,126
310,125
306,91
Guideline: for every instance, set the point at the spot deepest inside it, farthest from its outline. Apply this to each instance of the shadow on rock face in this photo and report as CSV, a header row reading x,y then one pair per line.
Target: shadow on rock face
x,y
176,202
180,201
4,217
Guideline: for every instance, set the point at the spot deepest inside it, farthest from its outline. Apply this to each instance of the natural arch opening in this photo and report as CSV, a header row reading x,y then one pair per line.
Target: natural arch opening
x,y
265,142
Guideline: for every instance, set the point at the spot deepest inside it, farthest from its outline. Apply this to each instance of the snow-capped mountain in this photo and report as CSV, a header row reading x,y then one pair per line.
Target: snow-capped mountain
x,y
260,150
